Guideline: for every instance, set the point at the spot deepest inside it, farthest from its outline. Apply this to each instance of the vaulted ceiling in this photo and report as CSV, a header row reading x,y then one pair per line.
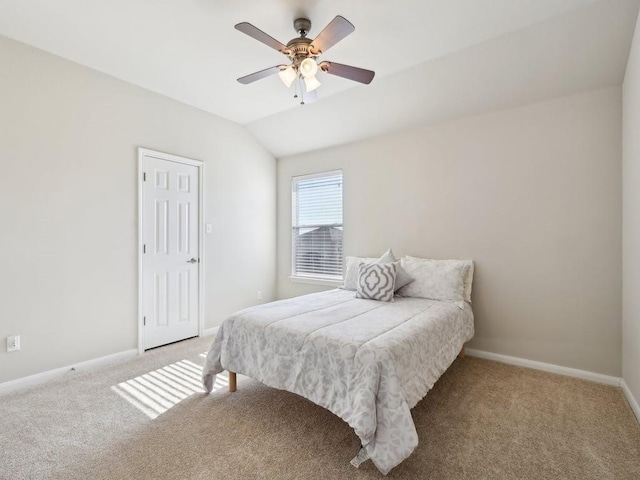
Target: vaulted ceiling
x,y
435,60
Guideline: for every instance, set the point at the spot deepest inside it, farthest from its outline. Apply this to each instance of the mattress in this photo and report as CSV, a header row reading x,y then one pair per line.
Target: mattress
x,y
368,362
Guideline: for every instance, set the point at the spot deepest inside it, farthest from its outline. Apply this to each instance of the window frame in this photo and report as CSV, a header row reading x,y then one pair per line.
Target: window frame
x,y
313,278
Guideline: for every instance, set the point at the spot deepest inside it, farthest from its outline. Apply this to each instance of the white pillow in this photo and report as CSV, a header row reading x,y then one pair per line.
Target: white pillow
x,y
435,280
468,279
352,264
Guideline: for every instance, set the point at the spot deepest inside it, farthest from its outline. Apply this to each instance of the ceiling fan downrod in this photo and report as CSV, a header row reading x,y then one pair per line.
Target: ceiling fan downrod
x,y
302,26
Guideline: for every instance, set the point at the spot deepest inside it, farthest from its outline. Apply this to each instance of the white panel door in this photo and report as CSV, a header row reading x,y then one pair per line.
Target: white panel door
x,y
171,251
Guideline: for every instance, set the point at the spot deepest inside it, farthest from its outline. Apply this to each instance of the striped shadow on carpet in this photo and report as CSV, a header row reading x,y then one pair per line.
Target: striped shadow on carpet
x,y
153,393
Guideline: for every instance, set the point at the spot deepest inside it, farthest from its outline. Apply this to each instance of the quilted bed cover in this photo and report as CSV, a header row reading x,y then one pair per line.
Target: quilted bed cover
x,y
368,362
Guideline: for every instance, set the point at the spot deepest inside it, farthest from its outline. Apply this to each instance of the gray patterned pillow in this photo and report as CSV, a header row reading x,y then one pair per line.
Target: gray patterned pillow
x,y
376,282
352,265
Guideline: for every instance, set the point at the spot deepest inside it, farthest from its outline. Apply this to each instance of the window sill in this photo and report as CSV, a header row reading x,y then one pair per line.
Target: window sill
x,y
315,280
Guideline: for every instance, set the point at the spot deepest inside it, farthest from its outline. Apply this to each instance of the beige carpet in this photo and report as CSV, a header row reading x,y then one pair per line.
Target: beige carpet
x,y
483,420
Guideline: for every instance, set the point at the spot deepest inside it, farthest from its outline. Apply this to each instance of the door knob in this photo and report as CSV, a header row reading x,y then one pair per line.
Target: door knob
x,y
193,260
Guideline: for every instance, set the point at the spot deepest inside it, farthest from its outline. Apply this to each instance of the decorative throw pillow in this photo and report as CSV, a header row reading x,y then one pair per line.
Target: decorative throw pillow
x,y
376,282
435,280
468,279
402,277
353,263
387,257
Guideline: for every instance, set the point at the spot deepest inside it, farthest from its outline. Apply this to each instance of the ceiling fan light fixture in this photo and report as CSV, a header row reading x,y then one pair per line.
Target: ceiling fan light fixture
x,y
311,83
287,75
308,68
302,52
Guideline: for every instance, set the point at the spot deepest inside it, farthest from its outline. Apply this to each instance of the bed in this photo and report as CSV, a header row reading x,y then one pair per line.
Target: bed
x,y
367,361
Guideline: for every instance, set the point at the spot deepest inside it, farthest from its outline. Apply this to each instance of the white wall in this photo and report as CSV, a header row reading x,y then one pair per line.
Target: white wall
x,y
68,196
532,194
631,220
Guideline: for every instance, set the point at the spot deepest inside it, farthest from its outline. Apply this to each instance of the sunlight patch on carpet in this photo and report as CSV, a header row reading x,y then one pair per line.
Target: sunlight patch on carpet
x,y
155,392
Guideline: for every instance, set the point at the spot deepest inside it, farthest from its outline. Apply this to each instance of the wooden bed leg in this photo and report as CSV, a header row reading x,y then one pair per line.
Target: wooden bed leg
x,y
461,354
232,381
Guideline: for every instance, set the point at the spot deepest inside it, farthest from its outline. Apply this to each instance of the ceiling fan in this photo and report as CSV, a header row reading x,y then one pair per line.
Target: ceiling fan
x,y
303,54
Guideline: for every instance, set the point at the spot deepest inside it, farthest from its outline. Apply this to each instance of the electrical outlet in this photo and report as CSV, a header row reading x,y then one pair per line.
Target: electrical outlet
x,y
13,343
259,295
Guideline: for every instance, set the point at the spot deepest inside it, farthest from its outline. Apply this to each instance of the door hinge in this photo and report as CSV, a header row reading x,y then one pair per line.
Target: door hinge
x,y
144,176
144,248
144,321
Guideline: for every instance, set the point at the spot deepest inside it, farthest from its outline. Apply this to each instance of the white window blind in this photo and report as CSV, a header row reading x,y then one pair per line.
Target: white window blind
x,y
317,225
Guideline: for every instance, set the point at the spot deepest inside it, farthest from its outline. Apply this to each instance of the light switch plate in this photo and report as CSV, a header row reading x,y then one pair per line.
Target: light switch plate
x,y
13,343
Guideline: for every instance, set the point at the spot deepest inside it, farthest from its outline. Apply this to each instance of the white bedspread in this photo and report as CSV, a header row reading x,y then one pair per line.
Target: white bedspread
x,y
368,362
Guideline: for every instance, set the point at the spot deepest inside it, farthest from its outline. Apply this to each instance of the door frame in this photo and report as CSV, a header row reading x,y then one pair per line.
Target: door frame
x,y
142,152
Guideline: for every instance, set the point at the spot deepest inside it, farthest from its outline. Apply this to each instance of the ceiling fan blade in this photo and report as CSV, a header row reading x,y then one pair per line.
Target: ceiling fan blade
x,y
346,71
337,29
260,75
259,35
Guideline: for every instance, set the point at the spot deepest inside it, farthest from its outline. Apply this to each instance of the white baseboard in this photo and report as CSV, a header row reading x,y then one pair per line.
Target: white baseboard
x,y
546,367
632,401
39,378
210,331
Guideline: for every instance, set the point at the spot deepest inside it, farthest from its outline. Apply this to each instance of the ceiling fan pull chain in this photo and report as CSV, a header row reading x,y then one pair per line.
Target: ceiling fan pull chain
x,y
301,90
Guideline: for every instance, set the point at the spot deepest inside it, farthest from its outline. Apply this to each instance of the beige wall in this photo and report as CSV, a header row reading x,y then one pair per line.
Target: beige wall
x,y
631,221
68,241
532,194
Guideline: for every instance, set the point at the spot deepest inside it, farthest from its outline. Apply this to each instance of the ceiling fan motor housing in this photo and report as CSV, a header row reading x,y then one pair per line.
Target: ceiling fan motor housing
x,y
299,48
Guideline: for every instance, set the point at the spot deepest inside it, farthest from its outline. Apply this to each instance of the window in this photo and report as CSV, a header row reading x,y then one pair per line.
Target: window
x,y
317,225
